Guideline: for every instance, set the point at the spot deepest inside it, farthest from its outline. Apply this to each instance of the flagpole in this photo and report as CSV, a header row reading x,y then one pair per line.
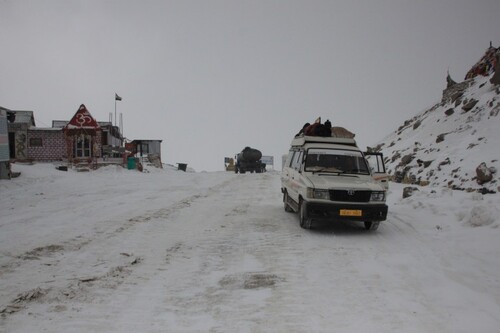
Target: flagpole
x,y
117,98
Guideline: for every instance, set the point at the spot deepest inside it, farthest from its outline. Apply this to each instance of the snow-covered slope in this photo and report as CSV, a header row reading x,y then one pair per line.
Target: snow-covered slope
x,y
445,144
116,250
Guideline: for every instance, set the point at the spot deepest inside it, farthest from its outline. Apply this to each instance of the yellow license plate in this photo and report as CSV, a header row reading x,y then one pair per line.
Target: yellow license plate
x,y
351,212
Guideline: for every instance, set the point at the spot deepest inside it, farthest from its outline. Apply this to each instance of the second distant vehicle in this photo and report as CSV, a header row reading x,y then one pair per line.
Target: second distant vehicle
x,y
249,159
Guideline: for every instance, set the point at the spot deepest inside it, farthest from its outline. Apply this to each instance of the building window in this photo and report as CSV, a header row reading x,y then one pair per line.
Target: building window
x,y
36,142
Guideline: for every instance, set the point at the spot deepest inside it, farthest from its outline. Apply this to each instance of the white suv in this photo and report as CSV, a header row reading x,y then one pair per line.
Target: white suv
x,y
328,178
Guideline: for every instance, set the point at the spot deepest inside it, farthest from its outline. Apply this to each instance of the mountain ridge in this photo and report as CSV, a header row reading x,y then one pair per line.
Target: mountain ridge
x,y
456,142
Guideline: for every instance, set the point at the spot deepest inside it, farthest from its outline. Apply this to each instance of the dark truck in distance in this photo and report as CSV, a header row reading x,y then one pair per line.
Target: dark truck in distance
x,y
249,159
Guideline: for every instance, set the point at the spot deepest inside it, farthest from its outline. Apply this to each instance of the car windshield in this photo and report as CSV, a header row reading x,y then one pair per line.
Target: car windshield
x,y
335,161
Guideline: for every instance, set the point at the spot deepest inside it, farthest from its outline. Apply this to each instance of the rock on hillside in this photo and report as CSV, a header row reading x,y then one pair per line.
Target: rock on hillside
x,y
455,143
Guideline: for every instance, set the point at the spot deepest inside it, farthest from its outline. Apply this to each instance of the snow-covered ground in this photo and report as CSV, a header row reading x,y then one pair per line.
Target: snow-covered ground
x,y
115,250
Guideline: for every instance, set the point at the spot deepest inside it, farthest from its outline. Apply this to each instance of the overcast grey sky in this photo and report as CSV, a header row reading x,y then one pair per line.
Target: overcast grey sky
x,y
211,77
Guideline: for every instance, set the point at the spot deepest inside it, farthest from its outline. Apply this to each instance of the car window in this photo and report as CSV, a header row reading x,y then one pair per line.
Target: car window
x,y
289,158
375,162
335,160
297,160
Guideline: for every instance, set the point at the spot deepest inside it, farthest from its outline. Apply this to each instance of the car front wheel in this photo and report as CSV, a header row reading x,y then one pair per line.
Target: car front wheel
x,y
371,225
285,203
305,220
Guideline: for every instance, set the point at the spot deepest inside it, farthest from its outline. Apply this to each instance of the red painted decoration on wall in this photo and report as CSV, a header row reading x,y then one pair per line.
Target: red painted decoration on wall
x,y
82,120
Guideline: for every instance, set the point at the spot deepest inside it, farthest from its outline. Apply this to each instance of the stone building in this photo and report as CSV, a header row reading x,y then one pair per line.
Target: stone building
x,y
79,139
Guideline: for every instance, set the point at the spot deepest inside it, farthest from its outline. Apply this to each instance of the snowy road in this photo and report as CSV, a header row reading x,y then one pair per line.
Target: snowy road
x,y
216,252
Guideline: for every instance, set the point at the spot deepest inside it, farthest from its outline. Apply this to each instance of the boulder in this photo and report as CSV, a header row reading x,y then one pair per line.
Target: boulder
x,y
440,138
417,124
469,105
407,159
483,174
408,191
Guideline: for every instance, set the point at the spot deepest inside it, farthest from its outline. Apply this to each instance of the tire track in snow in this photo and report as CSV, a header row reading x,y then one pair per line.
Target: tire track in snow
x,y
251,237
42,259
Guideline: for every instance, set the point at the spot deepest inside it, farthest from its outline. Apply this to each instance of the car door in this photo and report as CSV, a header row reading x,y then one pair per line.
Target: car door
x,y
377,166
286,170
295,173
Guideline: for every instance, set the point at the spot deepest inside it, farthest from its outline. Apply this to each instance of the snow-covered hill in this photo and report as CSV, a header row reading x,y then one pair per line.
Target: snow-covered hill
x,y
447,144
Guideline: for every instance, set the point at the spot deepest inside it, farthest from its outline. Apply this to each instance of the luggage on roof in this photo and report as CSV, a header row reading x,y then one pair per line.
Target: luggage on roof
x,y
324,130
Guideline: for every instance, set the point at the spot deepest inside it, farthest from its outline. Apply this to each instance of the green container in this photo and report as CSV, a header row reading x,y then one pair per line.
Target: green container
x,y
131,163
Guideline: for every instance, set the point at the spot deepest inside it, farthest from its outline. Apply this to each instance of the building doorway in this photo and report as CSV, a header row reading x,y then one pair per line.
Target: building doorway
x,y
12,145
83,146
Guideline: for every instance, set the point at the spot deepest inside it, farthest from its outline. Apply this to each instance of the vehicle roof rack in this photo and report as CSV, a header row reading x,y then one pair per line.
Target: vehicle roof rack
x,y
303,139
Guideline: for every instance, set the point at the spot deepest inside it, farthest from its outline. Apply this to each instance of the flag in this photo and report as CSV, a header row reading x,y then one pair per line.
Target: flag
x,y
117,98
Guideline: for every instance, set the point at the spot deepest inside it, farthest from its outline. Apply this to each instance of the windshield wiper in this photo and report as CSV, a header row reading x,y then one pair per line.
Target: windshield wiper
x,y
328,169
354,172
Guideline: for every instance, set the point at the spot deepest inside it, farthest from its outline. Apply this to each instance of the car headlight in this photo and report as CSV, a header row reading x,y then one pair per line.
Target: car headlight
x,y
318,194
377,196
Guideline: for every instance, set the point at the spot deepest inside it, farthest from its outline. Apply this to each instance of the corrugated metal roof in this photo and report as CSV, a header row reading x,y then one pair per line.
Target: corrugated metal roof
x,y
24,117
59,123
145,140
